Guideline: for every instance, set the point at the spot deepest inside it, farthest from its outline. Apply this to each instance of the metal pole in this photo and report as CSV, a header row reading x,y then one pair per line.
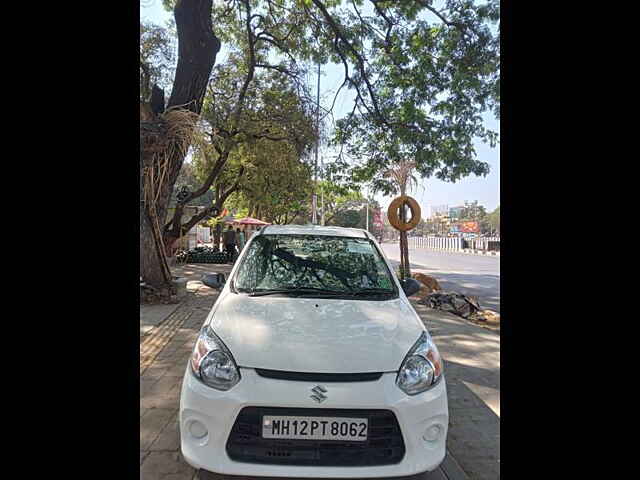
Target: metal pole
x,y
367,215
367,210
322,195
314,215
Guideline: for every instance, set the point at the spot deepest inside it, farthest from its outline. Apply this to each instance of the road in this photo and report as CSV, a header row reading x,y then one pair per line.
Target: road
x,y
477,275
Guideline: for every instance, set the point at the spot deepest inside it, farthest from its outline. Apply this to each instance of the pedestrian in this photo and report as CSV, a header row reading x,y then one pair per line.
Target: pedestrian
x,y
240,238
229,238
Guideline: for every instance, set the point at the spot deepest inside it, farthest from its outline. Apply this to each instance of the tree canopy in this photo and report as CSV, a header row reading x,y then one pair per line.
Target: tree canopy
x,y
492,220
156,58
432,75
423,72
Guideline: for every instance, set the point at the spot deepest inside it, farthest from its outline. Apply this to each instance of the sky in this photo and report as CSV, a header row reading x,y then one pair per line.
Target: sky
x,y
486,190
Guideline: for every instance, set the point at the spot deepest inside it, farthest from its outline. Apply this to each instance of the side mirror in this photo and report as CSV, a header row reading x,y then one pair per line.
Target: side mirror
x,y
410,286
214,280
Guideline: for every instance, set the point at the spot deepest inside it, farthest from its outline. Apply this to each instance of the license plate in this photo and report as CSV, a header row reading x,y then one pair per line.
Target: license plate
x,y
315,428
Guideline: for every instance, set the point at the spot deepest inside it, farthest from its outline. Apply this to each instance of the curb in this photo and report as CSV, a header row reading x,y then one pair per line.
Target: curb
x,y
479,252
468,251
465,251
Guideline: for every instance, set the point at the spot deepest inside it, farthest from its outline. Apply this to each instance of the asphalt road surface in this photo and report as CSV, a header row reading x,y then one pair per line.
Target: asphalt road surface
x,y
477,275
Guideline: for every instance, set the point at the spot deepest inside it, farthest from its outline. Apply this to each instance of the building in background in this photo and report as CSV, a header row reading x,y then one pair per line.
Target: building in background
x,y
438,211
441,223
456,212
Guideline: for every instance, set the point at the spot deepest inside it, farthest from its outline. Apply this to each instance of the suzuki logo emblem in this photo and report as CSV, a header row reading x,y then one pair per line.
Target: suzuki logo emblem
x,y
319,393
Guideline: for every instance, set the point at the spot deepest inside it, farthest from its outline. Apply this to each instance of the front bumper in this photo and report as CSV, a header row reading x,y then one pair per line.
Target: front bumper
x,y
218,411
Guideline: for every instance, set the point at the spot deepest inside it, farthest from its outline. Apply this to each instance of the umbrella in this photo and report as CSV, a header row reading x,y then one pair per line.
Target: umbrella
x,y
250,221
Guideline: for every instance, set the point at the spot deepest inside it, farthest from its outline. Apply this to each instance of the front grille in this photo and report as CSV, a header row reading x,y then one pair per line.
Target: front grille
x,y
384,445
319,377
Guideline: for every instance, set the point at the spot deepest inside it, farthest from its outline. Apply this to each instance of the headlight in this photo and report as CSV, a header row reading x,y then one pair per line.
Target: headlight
x,y
421,368
212,362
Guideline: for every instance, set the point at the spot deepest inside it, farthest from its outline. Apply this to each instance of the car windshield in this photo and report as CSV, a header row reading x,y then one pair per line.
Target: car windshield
x,y
313,265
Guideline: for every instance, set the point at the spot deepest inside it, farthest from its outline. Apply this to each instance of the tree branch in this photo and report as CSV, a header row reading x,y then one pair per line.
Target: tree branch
x,y
218,206
268,137
174,225
250,69
463,28
233,187
279,68
360,60
347,79
277,42
213,174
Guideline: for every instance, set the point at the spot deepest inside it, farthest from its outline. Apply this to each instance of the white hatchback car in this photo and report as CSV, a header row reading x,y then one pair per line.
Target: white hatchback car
x,y
312,363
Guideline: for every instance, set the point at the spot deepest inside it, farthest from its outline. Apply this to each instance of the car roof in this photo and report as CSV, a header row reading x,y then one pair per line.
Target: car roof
x,y
312,230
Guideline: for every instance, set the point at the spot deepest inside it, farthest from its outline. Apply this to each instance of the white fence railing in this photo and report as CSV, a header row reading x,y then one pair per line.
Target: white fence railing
x,y
436,243
484,243
453,243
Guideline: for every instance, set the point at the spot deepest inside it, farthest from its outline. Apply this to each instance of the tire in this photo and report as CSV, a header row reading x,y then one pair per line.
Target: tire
x,y
395,221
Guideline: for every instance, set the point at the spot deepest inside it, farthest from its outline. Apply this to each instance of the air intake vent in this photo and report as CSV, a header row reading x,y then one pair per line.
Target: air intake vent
x,y
319,377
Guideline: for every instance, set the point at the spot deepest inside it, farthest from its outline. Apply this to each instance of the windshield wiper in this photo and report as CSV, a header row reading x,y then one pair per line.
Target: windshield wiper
x,y
372,291
296,291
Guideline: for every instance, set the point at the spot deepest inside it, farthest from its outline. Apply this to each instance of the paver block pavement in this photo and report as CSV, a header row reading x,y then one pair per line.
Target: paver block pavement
x,y
180,476
169,437
160,465
160,383
472,371
152,315
152,423
163,399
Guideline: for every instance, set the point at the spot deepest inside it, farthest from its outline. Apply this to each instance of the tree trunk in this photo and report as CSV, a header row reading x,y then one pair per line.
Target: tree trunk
x,y
150,268
153,266
405,256
197,50
217,237
404,248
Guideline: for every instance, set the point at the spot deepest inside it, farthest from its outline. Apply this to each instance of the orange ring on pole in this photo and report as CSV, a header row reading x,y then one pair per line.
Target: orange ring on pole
x,y
394,219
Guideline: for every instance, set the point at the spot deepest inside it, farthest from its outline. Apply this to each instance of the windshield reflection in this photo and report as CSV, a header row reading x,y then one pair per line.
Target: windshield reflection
x,y
313,264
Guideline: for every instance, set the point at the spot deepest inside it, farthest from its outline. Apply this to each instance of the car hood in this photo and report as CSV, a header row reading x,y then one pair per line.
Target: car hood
x,y
316,335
